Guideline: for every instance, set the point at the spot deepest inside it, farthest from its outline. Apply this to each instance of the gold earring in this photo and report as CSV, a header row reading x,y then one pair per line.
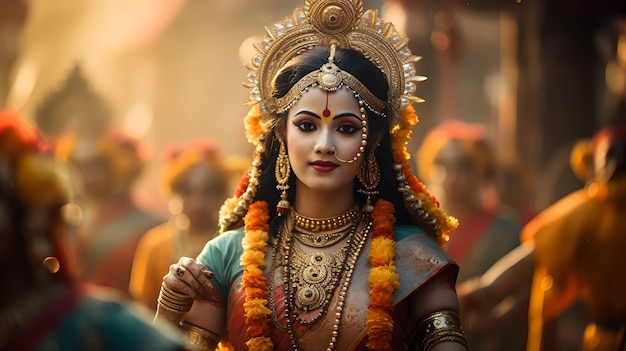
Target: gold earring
x,y
282,173
369,176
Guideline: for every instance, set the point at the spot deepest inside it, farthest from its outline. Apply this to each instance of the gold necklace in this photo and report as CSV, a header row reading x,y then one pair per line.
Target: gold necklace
x,y
299,285
329,224
319,240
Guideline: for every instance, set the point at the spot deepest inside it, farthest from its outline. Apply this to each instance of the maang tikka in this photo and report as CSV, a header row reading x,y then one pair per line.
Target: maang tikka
x,y
282,172
369,176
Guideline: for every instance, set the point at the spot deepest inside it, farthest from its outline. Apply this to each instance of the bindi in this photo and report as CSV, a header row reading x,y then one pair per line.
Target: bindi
x,y
326,112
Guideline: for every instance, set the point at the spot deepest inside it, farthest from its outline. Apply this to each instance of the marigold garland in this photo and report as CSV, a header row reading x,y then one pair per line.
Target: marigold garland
x,y
254,126
401,134
383,278
254,281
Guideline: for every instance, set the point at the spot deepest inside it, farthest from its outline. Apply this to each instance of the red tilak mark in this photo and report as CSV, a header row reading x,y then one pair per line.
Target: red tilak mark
x,y
326,111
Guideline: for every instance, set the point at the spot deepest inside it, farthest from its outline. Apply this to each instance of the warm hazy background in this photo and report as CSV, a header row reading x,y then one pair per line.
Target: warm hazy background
x,y
539,74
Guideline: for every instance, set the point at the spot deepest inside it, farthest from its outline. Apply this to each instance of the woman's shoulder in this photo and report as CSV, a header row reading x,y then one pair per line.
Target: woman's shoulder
x,y
230,239
419,258
227,244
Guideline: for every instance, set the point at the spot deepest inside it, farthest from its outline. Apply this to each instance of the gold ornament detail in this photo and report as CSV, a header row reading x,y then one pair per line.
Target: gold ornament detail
x,y
369,176
282,172
343,23
325,224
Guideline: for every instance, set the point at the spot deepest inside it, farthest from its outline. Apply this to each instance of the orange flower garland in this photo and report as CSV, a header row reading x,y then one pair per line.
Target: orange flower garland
x,y
383,278
401,134
254,281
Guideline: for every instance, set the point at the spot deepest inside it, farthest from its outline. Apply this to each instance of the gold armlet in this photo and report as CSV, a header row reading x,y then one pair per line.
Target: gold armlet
x,y
173,305
438,327
199,339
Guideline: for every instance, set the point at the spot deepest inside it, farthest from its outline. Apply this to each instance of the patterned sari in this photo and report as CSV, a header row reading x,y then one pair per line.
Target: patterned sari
x,y
418,259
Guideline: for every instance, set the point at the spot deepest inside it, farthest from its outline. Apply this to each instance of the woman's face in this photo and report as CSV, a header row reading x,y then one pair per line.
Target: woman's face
x,y
458,177
202,193
323,126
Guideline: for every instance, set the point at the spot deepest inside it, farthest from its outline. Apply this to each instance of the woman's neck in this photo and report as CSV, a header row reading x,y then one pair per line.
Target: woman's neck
x,y
316,204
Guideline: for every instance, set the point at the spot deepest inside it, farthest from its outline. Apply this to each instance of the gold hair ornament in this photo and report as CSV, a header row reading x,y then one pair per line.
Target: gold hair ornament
x,y
330,78
343,23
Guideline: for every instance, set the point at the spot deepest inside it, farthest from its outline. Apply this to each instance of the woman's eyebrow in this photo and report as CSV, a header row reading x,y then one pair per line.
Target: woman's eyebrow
x,y
313,114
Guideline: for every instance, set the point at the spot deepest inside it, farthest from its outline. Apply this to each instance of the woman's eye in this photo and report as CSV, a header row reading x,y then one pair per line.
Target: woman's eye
x,y
306,126
347,128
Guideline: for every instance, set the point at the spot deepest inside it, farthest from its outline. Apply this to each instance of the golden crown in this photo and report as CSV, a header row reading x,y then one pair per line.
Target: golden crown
x,y
340,22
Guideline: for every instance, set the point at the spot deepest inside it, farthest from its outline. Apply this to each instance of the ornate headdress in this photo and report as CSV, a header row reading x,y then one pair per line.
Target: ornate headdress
x,y
343,23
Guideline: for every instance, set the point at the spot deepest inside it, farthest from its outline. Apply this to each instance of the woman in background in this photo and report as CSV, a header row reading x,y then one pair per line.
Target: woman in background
x,y
197,180
107,168
457,163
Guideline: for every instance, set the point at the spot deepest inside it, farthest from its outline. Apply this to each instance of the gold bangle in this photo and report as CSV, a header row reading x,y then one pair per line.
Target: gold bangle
x,y
164,301
169,314
172,305
438,327
174,295
199,339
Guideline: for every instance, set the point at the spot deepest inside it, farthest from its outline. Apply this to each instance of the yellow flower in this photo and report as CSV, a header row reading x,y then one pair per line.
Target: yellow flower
x,y
253,125
260,344
382,251
384,274
257,307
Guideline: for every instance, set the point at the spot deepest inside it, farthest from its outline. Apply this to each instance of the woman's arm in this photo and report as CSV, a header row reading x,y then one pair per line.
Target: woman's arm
x,y
436,308
189,300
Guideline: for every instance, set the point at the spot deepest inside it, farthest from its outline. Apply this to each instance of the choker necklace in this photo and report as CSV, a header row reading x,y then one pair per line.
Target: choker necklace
x,y
329,224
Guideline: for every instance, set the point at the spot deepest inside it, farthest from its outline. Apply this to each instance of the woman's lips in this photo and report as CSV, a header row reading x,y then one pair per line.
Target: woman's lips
x,y
324,166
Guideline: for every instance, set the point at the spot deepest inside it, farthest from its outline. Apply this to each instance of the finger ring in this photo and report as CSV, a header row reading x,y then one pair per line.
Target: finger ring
x,y
179,271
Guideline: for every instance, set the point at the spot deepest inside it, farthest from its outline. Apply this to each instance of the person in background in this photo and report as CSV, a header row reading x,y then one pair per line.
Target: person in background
x,y
456,162
196,179
334,244
571,252
514,187
107,168
43,306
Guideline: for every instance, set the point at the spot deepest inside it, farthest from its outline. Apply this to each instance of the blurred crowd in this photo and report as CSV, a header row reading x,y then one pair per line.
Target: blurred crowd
x,y
85,259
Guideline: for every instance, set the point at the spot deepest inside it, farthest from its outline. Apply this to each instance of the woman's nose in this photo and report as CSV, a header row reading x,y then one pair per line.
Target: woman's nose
x,y
324,143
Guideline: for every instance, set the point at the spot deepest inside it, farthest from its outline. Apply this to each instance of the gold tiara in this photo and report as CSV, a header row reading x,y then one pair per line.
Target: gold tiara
x,y
343,23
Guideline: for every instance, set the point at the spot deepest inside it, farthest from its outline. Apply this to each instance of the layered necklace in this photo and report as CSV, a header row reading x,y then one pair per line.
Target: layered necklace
x,y
312,279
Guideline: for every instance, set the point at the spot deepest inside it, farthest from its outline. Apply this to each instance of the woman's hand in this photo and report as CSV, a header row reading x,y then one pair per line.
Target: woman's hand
x,y
192,278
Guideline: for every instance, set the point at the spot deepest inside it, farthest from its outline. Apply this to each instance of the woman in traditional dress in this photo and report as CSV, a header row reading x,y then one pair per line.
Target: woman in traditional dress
x,y
333,244
42,305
